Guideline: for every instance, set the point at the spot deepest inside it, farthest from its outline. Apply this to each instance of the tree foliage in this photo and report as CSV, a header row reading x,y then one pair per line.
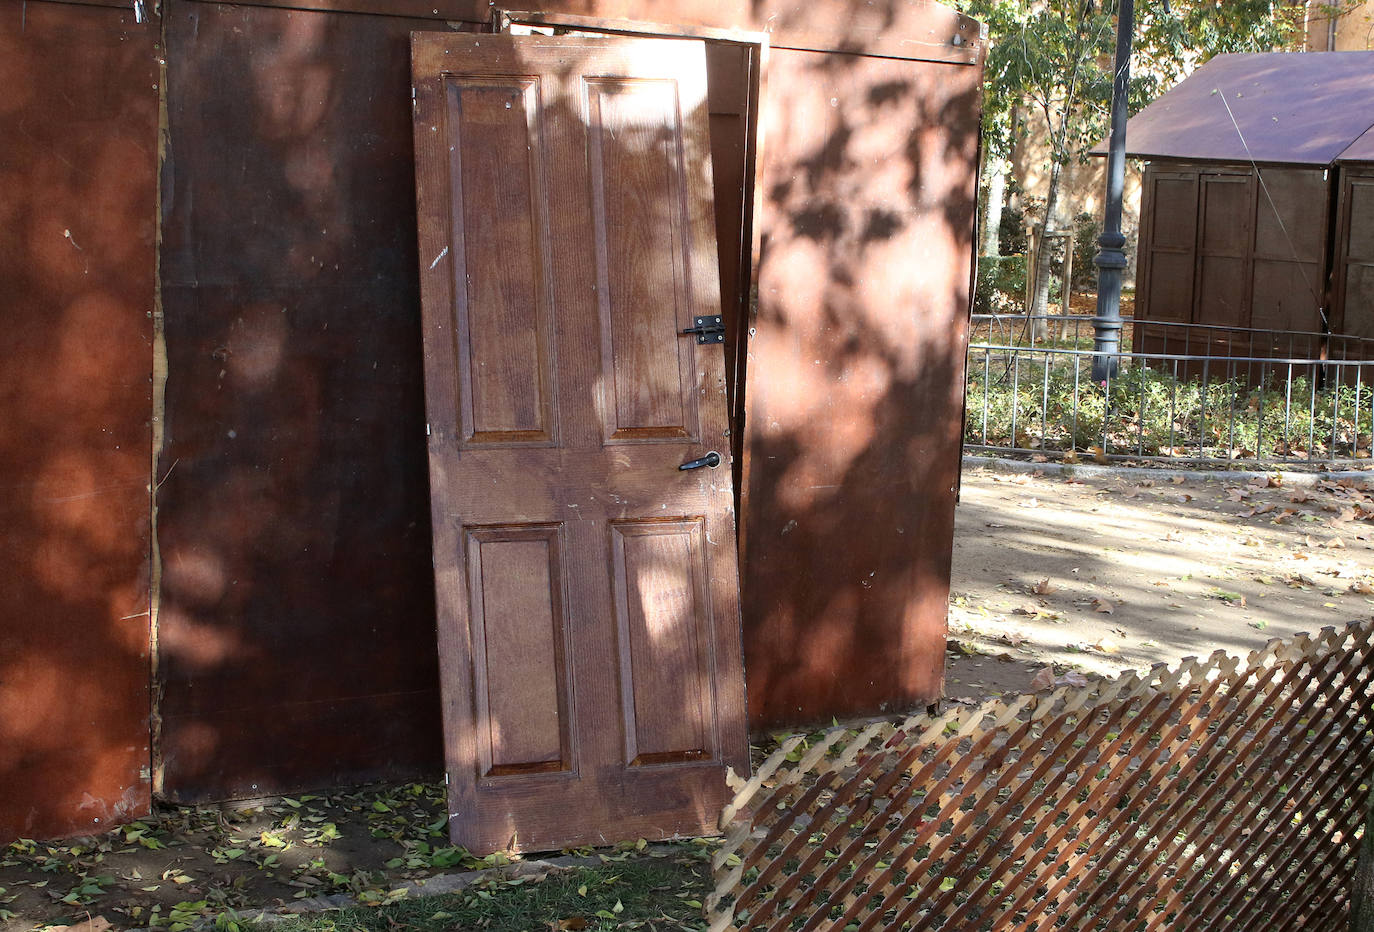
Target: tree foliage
x,y
1050,67
1054,57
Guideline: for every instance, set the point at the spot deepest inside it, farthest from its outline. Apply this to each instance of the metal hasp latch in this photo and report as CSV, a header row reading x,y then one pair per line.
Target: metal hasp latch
x,y
711,459
708,330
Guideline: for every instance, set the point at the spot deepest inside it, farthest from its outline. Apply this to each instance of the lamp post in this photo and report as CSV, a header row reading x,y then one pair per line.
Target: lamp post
x,y
1111,257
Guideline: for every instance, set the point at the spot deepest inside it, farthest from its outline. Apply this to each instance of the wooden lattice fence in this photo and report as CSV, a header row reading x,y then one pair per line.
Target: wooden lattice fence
x,y
1219,795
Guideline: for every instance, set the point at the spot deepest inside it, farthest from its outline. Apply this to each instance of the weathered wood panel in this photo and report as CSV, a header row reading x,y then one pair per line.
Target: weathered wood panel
x,y
297,629
78,168
620,568
854,404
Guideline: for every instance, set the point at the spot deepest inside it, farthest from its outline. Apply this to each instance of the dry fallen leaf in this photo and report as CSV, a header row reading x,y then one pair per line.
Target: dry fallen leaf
x,y
1043,679
1039,458
1178,480
1102,605
1106,646
1043,587
93,924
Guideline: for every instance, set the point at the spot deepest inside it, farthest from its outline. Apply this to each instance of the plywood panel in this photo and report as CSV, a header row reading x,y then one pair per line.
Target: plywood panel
x,y
519,633
295,520
1287,296
1221,291
1291,215
637,176
503,279
1171,286
855,394
663,615
78,188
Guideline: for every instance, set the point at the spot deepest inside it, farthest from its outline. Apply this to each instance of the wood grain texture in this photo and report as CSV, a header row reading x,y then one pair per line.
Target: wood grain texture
x,y
854,398
519,649
296,521
78,196
624,126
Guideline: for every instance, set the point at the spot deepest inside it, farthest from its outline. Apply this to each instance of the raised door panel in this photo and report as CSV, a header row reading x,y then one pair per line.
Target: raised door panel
x,y
1174,204
1361,200
664,625
517,610
1170,244
644,275
502,270
1224,228
1355,266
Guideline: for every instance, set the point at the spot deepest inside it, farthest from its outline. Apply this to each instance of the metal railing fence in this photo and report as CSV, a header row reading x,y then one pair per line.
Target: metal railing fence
x,y
1199,393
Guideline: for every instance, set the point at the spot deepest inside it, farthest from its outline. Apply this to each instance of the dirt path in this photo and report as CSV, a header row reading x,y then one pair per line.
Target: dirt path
x,y
1094,577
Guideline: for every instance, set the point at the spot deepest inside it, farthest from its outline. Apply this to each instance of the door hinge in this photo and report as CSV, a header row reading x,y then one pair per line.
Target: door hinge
x,y
707,330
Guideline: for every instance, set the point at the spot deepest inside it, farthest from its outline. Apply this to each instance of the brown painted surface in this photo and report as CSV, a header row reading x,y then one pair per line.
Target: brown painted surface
x,y
587,590
855,386
915,29
297,624
1353,278
1218,250
78,163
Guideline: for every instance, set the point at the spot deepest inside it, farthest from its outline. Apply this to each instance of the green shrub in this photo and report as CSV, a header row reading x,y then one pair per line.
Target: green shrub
x,y
1001,284
1145,411
1086,230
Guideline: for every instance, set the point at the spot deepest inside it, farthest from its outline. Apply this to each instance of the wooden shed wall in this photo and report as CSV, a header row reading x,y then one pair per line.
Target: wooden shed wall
x,y
1219,249
1353,272
295,621
78,172
854,400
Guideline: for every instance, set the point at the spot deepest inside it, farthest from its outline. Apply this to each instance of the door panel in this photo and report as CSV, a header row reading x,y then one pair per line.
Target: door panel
x,y
588,594
519,625
663,612
637,179
504,314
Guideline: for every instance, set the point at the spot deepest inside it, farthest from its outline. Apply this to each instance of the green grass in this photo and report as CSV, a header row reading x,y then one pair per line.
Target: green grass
x,y
1147,412
640,892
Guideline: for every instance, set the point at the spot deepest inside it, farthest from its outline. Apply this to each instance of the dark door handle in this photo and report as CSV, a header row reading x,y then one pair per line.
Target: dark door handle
x,y
711,459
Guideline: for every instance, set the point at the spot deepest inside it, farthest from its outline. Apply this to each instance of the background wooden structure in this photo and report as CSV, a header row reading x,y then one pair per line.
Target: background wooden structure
x,y
1244,197
218,574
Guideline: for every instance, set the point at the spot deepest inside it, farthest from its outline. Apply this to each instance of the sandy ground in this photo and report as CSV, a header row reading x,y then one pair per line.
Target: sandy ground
x,y
1094,577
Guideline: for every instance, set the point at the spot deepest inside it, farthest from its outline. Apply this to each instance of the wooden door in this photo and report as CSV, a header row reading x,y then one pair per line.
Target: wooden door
x,y
588,594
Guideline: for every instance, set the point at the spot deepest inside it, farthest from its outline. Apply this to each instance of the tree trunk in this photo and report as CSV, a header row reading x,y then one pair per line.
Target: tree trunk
x,y
1040,280
995,180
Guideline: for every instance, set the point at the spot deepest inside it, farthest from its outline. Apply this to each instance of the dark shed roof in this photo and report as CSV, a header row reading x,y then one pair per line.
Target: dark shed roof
x,y
1287,107
1362,149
